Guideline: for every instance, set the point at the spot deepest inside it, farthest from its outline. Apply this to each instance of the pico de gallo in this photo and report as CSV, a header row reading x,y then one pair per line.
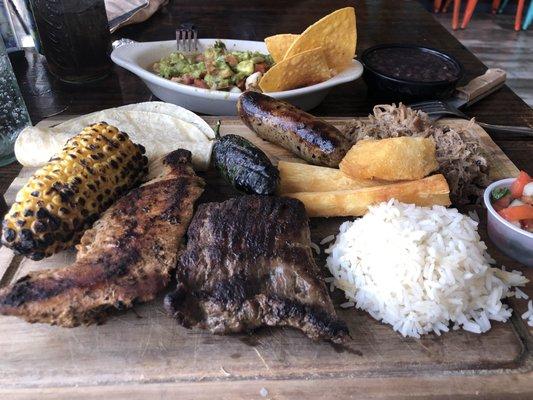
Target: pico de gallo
x,y
216,68
515,204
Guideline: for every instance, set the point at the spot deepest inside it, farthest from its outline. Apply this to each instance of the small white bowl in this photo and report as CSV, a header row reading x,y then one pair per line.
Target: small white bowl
x,y
139,58
513,241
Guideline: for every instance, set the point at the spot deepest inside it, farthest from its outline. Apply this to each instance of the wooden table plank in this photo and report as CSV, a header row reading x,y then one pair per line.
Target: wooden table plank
x,y
456,387
377,22
156,349
432,367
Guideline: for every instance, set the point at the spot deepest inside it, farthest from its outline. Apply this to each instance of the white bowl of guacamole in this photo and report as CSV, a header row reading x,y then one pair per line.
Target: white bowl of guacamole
x,y
182,81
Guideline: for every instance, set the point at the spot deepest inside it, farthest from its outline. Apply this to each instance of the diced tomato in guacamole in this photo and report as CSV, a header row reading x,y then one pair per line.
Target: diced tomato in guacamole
x,y
216,68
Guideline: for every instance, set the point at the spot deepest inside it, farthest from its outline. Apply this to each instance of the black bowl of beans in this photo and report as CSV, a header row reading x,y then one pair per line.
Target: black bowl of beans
x,y
409,72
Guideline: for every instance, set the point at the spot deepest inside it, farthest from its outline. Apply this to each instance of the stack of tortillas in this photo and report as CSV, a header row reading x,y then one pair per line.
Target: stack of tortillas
x,y
159,127
323,50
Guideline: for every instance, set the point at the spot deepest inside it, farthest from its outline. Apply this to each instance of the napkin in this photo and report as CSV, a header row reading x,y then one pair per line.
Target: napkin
x,y
126,12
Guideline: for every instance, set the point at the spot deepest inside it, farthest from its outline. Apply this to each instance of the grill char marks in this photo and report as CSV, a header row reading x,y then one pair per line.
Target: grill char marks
x,y
248,263
125,258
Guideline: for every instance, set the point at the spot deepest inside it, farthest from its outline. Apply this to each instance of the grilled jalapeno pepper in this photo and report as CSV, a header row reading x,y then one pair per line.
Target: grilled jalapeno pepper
x,y
244,165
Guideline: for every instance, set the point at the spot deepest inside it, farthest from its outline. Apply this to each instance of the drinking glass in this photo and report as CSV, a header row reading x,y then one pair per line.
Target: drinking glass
x,y
13,113
74,37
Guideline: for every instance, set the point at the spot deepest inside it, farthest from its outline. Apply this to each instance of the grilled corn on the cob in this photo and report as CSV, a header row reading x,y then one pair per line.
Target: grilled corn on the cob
x,y
65,196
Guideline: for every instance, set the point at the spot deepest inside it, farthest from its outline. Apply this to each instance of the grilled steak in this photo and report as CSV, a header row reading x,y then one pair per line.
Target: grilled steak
x,y
127,256
248,263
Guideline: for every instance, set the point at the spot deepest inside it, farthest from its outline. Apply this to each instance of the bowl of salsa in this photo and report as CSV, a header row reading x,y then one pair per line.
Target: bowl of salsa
x,y
509,204
408,72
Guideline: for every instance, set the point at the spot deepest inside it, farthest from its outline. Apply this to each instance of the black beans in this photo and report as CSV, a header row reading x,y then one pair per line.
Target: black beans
x,y
412,64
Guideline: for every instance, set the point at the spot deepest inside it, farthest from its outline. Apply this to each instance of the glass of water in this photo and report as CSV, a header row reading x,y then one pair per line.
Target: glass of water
x,y
14,116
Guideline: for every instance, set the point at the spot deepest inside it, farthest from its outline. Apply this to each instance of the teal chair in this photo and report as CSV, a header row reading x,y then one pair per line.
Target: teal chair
x,y
518,20
502,6
529,16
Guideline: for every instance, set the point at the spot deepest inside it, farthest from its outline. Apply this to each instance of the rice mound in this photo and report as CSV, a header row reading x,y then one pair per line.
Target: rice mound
x,y
418,268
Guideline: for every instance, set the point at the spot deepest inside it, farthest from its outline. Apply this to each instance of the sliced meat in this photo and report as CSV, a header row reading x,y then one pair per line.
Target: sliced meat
x,y
126,257
248,263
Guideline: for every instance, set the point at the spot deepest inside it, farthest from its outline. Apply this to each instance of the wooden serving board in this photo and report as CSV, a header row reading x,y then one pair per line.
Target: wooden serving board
x,y
144,353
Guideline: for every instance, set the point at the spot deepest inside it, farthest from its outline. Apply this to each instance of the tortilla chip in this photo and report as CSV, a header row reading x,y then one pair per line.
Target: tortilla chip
x,y
278,45
392,159
336,33
303,69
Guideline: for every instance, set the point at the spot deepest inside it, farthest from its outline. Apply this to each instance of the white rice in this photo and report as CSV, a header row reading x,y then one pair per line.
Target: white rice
x,y
327,239
474,215
419,268
529,313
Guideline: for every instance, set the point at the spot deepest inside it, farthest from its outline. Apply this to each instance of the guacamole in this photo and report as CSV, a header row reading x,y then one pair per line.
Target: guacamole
x,y
216,68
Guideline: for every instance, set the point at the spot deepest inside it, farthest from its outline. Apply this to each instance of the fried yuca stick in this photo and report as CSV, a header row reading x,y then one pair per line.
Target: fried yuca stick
x,y
429,191
297,177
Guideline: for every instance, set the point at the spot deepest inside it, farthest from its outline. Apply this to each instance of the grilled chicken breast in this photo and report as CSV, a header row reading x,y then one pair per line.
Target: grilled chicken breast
x,y
126,257
248,263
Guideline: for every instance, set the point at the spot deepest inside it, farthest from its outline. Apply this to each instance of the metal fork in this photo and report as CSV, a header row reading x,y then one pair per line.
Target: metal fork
x,y
437,109
187,38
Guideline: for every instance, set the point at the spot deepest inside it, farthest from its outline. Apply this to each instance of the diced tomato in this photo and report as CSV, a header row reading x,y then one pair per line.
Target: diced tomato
x,y
187,79
200,83
240,84
503,202
527,224
210,66
518,185
517,213
231,60
260,67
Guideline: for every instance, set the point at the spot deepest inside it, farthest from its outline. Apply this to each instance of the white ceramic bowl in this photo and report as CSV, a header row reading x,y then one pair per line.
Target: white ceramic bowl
x,y
513,241
139,58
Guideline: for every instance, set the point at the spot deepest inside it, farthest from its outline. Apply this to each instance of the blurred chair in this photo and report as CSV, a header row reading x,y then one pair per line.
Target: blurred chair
x,y
471,6
502,6
437,4
529,16
455,15
519,13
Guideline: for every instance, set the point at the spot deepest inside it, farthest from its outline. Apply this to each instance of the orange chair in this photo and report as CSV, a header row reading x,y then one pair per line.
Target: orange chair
x,y
519,14
495,6
446,5
455,16
438,6
471,5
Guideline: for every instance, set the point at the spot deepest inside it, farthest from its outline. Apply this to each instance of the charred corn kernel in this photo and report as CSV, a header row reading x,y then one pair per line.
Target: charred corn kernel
x,y
65,196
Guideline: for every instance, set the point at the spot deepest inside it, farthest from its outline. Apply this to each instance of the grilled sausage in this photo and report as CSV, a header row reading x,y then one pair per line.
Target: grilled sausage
x,y
281,123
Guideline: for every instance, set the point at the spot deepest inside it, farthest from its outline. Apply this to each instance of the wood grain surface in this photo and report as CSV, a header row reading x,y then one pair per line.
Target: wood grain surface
x,y
149,356
378,21
145,347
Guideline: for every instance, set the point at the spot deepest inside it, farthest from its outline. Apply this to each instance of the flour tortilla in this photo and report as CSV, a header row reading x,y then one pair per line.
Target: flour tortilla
x,y
159,127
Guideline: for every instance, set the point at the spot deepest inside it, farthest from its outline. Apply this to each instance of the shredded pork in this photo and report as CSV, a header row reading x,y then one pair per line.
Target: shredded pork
x,y
459,154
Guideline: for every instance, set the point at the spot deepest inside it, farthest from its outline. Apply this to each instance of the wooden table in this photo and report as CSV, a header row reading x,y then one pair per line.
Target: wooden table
x,y
378,22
